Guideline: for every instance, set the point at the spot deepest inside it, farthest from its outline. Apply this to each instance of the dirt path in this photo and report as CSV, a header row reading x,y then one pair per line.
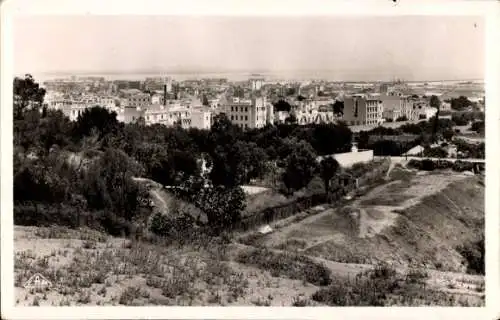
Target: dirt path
x,y
387,175
161,203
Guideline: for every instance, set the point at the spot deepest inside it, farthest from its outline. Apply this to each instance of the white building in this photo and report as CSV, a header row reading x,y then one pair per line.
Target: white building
x,y
130,115
73,109
256,83
249,114
201,119
168,115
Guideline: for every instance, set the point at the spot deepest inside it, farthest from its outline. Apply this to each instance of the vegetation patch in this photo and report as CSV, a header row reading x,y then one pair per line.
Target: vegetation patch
x,y
383,287
290,265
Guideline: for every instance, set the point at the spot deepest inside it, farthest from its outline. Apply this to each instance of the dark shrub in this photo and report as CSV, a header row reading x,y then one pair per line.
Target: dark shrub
x,y
427,165
474,255
290,265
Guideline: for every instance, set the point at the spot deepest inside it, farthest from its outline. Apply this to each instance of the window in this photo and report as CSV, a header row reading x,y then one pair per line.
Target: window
x,y
246,125
246,118
232,108
232,118
246,109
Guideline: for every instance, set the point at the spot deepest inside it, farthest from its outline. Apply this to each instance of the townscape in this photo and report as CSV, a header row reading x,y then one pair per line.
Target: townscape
x,y
206,190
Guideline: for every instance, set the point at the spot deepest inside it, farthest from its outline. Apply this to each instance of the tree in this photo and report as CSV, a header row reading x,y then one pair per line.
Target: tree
x,y
108,184
54,129
291,119
435,103
460,103
301,165
338,108
321,138
27,95
282,105
436,152
96,118
223,205
328,168
205,100
478,126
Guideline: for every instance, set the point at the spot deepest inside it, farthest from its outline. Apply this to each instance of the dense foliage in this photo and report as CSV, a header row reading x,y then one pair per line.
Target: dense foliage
x,y
90,164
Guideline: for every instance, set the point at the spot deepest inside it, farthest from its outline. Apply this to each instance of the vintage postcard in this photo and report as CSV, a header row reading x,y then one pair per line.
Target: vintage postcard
x,y
252,161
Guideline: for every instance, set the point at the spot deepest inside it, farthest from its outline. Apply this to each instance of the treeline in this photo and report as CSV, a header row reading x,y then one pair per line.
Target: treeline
x,y
88,165
396,141
459,166
394,145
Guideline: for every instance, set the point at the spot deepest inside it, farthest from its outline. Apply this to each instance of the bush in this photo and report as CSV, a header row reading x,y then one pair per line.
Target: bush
x,y
436,152
474,256
160,224
478,126
460,120
430,165
289,265
171,227
379,287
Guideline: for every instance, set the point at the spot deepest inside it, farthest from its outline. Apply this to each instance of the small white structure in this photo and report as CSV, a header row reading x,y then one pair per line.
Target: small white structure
x,y
265,229
415,151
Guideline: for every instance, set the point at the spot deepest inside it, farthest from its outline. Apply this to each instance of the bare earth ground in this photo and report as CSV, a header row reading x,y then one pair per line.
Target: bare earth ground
x,y
413,220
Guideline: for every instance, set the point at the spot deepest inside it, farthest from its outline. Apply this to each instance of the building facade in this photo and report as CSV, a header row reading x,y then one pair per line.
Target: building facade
x,y
249,114
361,110
201,119
139,100
168,115
130,115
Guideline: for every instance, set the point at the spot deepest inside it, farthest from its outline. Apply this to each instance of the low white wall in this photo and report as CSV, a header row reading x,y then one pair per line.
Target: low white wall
x,y
349,158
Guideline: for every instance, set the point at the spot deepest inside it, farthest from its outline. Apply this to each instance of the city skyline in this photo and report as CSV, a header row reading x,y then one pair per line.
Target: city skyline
x,y
357,48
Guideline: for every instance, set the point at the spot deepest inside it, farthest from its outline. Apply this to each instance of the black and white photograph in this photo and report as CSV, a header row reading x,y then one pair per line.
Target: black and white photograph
x,y
248,161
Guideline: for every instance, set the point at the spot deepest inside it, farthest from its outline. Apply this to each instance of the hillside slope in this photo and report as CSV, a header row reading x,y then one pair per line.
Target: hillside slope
x,y
417,220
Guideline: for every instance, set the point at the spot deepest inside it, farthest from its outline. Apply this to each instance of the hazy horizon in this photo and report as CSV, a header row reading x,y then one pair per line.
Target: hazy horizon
x,y
340,48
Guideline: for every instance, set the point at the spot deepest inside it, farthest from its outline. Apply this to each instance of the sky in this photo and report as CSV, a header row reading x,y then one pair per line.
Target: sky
x,y
354,48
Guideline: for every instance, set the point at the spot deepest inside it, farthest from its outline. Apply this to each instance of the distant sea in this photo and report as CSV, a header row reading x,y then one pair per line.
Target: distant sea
x,y
231,76
181,76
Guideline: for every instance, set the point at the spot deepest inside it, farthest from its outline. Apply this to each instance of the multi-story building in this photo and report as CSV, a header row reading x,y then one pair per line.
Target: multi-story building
x,y
362,110
395,107
168,115
249,114
201,119
256,83
157,99
107,102
139,100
